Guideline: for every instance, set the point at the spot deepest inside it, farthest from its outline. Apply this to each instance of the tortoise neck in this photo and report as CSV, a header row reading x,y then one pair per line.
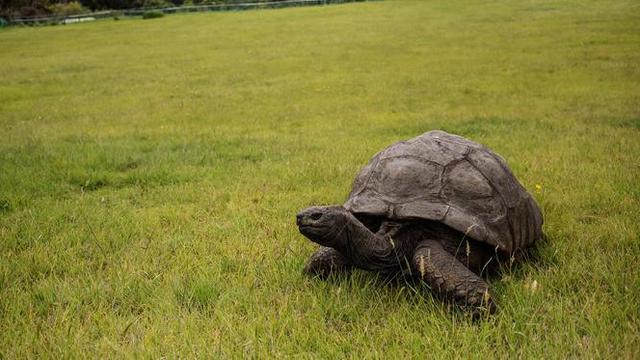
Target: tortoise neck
x,y
354,236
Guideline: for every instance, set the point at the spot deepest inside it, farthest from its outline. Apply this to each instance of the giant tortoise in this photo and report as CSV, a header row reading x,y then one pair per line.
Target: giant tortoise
x,y
438,207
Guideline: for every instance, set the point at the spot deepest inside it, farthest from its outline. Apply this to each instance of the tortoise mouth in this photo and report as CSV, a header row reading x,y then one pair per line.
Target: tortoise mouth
x,y
310,229
317,233
304,222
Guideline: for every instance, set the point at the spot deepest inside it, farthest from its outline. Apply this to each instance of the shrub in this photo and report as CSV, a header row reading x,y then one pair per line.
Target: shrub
x,y
70,8
152,14
31,11
150,4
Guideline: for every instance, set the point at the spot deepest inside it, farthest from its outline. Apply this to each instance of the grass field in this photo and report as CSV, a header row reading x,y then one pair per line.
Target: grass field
x,y
150,171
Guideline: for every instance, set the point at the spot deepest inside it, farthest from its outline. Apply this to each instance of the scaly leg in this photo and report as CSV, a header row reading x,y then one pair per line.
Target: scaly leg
x,y
449,278
326,261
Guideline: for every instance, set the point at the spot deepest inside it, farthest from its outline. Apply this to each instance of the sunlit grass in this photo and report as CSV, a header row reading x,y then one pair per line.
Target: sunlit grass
x,y
150,172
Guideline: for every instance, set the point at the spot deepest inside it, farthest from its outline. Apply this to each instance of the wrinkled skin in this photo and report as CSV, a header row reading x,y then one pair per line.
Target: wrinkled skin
x,y
447,261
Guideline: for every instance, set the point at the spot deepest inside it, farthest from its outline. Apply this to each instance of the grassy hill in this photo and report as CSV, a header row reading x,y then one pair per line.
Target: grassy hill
x,y
150,172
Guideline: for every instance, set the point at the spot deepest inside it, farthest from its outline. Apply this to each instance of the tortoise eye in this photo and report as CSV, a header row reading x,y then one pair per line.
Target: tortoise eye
x,y
316,216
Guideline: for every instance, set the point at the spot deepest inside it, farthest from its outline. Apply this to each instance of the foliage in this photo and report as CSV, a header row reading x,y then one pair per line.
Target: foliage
x,y
29,8
23,8
152,14
152,172
70,8
156,4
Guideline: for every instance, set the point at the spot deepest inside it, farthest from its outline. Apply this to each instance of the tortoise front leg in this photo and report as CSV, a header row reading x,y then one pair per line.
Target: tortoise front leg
x,y
327,261
449,278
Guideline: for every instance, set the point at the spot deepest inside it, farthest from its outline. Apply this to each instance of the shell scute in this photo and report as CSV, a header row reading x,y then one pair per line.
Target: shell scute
x,y
420,209
402,178
462,179
498,175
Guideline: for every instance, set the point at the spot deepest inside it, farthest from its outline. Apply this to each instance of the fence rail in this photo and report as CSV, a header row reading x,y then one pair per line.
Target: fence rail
x,y
172,10
67,19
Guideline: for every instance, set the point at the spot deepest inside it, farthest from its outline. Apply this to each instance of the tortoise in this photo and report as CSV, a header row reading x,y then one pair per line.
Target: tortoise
x,y
438,207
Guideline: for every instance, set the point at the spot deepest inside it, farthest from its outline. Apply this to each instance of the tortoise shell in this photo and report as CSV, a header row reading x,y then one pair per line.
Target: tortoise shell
x,y
447,178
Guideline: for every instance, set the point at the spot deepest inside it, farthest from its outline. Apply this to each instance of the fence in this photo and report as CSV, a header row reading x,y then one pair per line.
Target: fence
x,y
172,10
68,19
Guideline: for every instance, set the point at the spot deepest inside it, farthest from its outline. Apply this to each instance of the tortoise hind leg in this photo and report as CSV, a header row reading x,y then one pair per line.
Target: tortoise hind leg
x,y
478,257
449,278
325,262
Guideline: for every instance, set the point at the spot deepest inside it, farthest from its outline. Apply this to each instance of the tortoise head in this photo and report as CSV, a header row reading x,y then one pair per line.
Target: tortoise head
x,y
323,225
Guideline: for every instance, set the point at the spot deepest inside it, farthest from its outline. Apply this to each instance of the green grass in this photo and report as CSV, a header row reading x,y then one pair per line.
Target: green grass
x,y
150,172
